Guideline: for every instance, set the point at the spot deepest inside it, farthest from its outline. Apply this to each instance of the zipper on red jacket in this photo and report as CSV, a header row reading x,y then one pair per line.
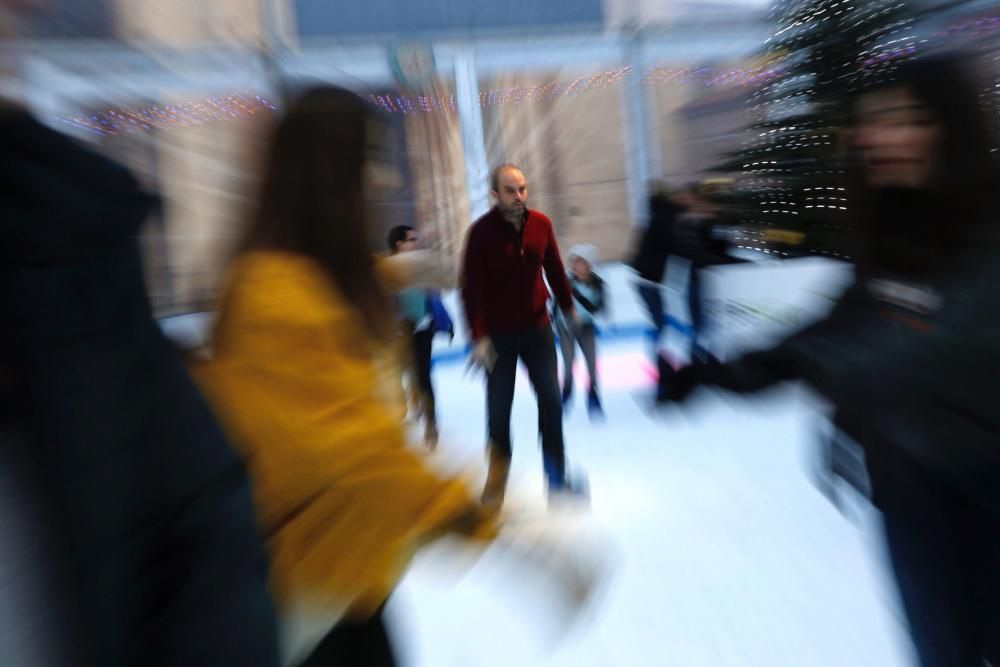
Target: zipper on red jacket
x,y
520,238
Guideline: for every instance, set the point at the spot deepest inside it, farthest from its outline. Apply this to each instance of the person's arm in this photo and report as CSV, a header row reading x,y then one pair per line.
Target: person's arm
x,y
956,355
854,352
590,302
806,355
556,273
472,284
406,270
593,302
599,300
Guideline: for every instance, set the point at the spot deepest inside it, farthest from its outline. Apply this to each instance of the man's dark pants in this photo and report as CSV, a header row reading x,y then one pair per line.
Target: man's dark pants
x,y
536,349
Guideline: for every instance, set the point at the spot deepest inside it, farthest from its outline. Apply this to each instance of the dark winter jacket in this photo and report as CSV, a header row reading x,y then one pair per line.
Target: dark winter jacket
x,y
502,286
650,259
166,566
911,359
692,240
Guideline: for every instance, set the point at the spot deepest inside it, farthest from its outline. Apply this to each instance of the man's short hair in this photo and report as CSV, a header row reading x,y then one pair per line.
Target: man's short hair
x,y
397,235
495,174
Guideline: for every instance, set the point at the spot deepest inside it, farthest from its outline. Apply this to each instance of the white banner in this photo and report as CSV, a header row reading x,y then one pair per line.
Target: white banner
x,y
752,306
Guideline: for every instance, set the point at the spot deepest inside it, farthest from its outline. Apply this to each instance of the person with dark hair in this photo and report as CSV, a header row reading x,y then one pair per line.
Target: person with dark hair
x,y
910,356
401,238
343,500
422,315
691,242
650,258
507,252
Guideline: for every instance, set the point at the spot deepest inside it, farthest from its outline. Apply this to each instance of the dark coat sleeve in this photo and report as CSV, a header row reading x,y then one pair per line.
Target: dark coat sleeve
x,y
167,564
556,272
472,283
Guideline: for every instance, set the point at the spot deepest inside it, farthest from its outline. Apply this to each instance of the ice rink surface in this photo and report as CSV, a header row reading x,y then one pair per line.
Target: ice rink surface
x,y
715,544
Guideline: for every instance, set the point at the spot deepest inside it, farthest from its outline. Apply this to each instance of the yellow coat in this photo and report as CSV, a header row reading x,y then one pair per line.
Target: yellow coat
x,y
342,500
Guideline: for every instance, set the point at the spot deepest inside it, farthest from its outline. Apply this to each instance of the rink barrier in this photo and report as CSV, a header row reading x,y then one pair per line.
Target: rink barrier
x,y
190,330
616,333
746,306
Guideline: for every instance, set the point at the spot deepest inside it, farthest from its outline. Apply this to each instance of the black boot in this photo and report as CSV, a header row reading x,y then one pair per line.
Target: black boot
x,y
594,407
664,385
567,392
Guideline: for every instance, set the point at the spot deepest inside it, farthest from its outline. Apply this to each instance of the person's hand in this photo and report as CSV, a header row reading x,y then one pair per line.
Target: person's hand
x,y
483,355
476,523
572,317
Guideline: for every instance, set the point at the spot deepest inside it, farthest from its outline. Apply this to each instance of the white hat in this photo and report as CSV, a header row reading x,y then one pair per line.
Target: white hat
x,y
587,252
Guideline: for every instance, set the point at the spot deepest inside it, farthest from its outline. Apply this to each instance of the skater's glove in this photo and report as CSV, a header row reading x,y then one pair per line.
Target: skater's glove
x,y
676,385
483,355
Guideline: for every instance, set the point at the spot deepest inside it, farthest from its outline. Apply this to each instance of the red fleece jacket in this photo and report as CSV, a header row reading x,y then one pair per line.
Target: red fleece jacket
x,y
502,285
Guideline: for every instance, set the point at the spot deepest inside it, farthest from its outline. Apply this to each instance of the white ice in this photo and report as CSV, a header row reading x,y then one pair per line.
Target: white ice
x,y
724,550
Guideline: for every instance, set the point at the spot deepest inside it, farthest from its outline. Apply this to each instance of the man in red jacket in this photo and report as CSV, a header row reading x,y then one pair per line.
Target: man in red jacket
x,y
505,303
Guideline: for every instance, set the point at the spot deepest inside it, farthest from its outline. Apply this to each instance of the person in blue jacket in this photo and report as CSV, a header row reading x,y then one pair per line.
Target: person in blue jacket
x,y
422,315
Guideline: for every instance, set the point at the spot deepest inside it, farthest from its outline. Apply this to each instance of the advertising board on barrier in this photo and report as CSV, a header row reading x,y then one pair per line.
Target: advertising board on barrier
x,y
752,306
747,306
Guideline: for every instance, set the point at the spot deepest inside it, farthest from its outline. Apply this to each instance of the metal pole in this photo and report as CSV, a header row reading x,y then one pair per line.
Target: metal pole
x,y
642,142
474,144
271,50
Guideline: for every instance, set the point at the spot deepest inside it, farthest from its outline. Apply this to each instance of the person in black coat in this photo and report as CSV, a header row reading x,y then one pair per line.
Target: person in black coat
x,y
692,241
152,509
650,259
910,356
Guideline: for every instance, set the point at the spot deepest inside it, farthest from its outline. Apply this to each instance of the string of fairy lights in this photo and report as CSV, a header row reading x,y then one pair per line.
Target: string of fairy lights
x,y
172,116
113,122
775,85
827,48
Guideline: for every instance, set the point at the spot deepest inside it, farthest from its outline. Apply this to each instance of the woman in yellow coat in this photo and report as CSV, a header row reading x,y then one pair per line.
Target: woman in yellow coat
x,y
342,500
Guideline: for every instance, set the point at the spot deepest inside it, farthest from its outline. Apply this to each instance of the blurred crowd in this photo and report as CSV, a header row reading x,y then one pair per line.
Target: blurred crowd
x,y
256,501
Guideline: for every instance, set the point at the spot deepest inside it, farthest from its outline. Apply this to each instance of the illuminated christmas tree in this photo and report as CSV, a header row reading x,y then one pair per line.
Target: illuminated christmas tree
x,y
794,195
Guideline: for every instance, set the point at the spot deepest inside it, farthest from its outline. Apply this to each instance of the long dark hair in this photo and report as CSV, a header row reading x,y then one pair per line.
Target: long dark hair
x,y
945,83
965,207
311,198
